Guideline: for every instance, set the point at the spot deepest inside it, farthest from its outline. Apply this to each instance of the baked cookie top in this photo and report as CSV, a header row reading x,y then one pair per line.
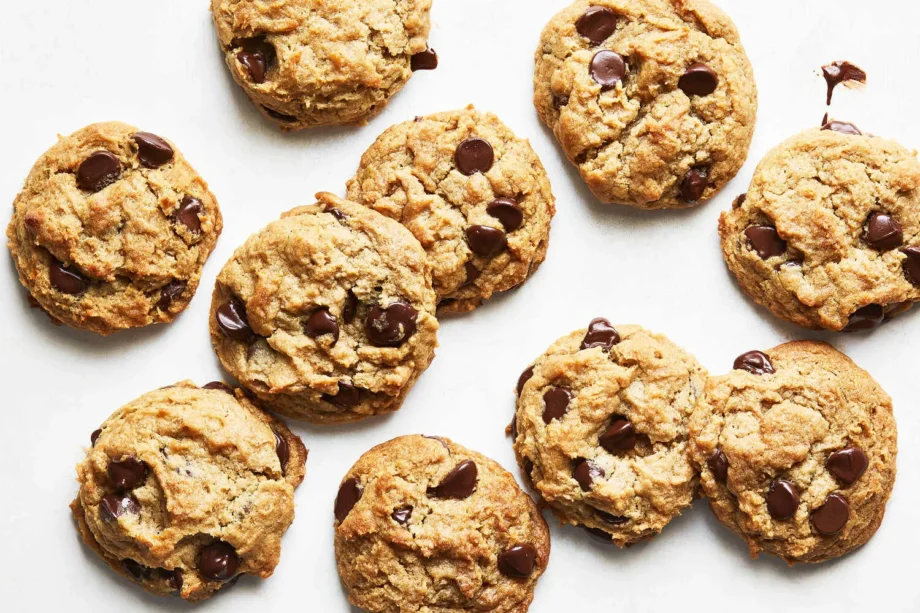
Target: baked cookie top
x,y
185,489
327,314
112,229
307,63
475,195
601,430
828,235
797,448
423,524
653,100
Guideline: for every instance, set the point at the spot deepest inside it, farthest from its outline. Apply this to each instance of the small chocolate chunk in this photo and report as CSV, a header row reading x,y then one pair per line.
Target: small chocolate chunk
x,y
486,241
170,293
350,309
66,280
350,493
425,60
218,562
390,326
233,322
912,264
848,464
756,362
189,214
474,155
113,506
526,376
472,273
601,333
95,436
868,317
347,397
152,151
832,516
282,449
597,24
257,56
620,436
322,323
883,232
694,184
518,562
556,403
718,466
508,212
459,483
586,472
402,515
608,68
698,80
782,500
127,474
98,171
219,386
765,241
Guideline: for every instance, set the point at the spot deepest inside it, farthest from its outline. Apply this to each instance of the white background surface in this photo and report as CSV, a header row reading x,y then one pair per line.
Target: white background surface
x,y
157,65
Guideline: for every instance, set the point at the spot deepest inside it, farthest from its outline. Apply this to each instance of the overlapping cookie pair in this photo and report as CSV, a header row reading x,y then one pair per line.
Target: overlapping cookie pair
x,y
618,430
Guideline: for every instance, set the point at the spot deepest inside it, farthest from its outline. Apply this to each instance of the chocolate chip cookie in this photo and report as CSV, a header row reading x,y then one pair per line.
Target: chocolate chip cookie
x,y
423,524
186,489
797,448
327,314
306,63
475,195
112,229
601,430
828,235
653,100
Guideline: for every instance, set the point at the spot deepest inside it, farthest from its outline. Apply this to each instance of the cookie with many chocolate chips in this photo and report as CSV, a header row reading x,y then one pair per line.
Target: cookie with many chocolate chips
x,y
327,314
185,489
828,235
601,430
308,63
423,524
653,100
475,195
112,229
797,448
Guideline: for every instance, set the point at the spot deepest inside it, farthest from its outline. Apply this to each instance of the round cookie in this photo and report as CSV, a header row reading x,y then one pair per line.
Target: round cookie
x,y
475,196
423,524
306,63
185,489
112,229
327,314
797,448
601,430
653,100
828,235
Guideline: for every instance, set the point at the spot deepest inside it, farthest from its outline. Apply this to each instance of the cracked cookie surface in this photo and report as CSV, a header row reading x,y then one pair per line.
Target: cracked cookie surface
x,y
308,63
475,196
112,229
184,489
423,525
601,430
797,448
327,314
653,100
828,235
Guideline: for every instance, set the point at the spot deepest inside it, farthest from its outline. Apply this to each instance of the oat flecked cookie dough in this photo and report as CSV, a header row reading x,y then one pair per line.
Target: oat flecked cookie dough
x,y
828,235
797,448
601,430
327,314
308,63
653,100
184,489
475,195
112,229
423,524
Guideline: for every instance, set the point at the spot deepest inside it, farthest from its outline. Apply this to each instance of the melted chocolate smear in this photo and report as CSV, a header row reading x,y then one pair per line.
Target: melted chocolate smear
x,y
841,72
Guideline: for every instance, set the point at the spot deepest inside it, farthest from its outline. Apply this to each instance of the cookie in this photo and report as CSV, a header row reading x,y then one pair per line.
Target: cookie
x,y
601,430
828,235
797,449
327,314
475,195
423,524
653,100
184,489
306,63
112,229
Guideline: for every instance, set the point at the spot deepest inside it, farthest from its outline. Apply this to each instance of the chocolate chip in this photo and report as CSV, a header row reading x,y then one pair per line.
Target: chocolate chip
x,y
390,326
136,570
896,308
601,333
173,578
474,155
867,318
113,506
599,534
350,493
350,309
524,378
402,515
843,127
607,68
98,171
739,201
321,323
508,212
257,56
220,386
233,322
426,60
698,80
560,101
586,472
170,292
514,428
912,264
347,397
765,241
282,117
610,518
152,151
282,449
218,562
189,214
883,232
518,562
694,184
472,273
95,436
459,483
841,72
832,516
756,362
782,500
127,474
848,464
620,436
597,24
718,466
556,403
66,280
485,241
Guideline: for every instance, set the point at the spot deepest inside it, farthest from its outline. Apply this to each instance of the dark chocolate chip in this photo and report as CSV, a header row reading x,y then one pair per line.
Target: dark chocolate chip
x,y
610,518
257,56
912,264
514,428
152,151
848,464
66,280
560,101
842,127
894,309
426,60
402,515
189,214
832,516
218,562
95,436
597,24
586,473
459,483
98,171
601,333
718,466
350,493
556,403
694,184
756,362
867,318
347,397
170,292
765,241
390,326
322,323
472,273
474,155
841,72
282,449
136,570
518,562
127,474
337,213
486,241
782,500
282,117
739,201
220,386
699,80
523,379
350,309
508,212
607,68
599,534
883,232
113,506
173,578
233,322
620,436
